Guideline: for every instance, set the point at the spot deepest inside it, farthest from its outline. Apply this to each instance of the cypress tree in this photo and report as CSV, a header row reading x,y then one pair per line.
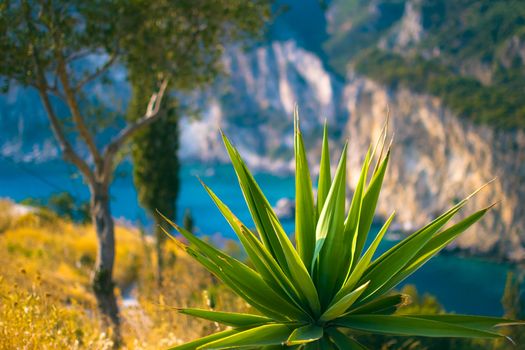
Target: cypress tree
x,y
156,165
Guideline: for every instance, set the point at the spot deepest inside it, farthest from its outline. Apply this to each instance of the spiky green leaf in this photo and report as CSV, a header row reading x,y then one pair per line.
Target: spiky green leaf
x,y
383,305
257,204
243,278
395,259
228,318
436,244
484,323
370,199
325,178
344,342
263,261
297,271
328,233
304,202
305,334
204,340
271,334
338,308
347,256
364,262
409,326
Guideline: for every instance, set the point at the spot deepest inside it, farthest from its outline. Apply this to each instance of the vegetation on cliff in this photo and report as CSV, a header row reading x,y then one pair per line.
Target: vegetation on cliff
x,y
470,53
500,104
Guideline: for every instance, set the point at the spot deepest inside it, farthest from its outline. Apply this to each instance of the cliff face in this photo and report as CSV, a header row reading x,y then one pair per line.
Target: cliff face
x,y
254,106
438,159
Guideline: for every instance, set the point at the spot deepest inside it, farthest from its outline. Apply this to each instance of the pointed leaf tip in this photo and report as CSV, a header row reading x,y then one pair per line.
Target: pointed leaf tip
x,y
479,189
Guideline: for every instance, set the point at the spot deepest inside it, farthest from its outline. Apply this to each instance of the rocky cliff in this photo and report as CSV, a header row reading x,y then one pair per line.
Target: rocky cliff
x,y
438,159
254,106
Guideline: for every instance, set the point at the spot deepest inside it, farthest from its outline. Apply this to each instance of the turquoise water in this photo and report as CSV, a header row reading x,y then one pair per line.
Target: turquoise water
x,y
463,285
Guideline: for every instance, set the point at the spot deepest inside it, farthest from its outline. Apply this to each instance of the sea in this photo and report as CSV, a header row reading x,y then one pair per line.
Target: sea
x,y
461,285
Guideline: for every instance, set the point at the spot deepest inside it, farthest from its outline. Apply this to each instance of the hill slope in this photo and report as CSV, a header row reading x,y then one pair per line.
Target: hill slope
x,y
47,302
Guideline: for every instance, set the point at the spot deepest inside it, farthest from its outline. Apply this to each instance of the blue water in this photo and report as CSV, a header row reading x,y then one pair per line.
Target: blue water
x,y
462,285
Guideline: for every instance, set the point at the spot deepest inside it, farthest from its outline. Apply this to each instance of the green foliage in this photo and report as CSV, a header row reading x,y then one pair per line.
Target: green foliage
x,y
155,162
59,47
326,292
500,104
64,205
182,40
187,220
421,304
471,28
513,302
357,28
154,154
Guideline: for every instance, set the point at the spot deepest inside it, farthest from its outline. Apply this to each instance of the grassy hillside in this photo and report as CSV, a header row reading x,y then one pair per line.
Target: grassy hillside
x,y
470,52
46,301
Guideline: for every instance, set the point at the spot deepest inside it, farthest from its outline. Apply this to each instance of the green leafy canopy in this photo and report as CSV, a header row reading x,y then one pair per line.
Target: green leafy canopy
x,y
320,293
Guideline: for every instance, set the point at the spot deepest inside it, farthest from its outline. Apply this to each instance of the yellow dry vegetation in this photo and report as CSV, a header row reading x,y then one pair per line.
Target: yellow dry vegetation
x,y
45,295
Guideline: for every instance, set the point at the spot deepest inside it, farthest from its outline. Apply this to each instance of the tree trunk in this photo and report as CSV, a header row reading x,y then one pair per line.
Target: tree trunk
x,y
103,285
159,249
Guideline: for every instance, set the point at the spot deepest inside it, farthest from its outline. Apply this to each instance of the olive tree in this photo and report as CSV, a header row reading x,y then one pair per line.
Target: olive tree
x,y
50,46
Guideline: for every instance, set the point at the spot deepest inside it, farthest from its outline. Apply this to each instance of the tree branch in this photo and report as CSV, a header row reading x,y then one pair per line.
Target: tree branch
x,y
98,72
79,54
75,110
53,89
67,150
151,115
42,85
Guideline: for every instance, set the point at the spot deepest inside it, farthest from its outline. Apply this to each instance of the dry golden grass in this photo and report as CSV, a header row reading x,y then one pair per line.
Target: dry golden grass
x,y
33,319
46,300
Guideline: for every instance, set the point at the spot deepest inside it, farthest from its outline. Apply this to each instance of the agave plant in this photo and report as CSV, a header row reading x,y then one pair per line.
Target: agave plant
x,y
327,288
